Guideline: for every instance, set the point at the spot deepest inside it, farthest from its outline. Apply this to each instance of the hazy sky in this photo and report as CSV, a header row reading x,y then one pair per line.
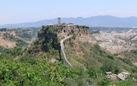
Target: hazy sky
x,y
17,11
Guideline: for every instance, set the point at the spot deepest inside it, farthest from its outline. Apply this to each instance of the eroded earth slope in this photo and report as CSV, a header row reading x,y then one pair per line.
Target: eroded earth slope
x,y
117,41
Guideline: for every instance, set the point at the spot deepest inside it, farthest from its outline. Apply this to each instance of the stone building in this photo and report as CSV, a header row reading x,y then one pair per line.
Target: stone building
x,y
64,29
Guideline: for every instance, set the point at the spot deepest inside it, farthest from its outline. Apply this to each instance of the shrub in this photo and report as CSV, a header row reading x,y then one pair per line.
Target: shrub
x,y
126,60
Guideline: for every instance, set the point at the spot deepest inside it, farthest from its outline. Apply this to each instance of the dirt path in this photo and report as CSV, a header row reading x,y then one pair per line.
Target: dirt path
x,y
62,49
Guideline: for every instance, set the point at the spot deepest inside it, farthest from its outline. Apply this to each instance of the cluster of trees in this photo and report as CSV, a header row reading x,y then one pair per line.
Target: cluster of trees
x,y
47,40
82,27
134,52
10,53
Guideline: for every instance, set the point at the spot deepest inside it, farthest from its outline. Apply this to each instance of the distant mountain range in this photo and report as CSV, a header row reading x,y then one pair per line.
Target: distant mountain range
x,y
105,21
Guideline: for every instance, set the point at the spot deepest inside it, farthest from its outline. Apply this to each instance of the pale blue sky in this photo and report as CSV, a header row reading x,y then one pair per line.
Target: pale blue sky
x,y
17,11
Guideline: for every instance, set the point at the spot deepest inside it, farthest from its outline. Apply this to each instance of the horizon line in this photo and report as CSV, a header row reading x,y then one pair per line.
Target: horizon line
x,y
64,17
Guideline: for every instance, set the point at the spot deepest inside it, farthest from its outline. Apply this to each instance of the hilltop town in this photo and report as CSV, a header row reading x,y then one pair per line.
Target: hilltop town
x,y
82,32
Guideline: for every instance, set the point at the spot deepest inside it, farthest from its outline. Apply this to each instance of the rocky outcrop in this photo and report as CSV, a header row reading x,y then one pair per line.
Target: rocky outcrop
x,y
121,76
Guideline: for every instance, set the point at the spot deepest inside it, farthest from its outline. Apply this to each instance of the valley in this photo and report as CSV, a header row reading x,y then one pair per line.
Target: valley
x,y
117,41
11,38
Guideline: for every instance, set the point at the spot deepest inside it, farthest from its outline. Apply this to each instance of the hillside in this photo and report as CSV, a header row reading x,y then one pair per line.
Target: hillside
x,y
106,21
93,58
117,41
121,43
43,63
11,38
86,57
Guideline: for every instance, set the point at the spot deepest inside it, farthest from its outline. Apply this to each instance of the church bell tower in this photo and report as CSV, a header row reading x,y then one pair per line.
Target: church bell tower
x,y
59,21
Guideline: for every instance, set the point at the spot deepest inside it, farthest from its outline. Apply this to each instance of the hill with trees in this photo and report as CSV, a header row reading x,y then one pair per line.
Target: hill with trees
x,y
41,64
